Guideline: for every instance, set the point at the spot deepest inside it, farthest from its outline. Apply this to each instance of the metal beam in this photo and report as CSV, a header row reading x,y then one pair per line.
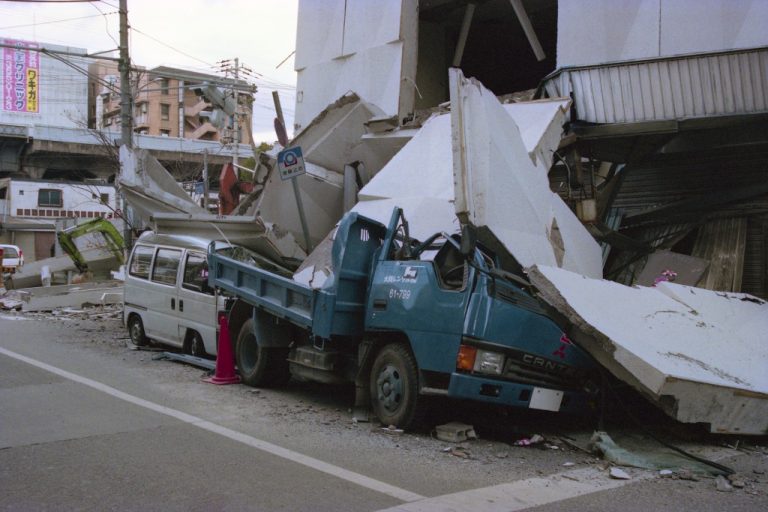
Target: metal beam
x,y
525,22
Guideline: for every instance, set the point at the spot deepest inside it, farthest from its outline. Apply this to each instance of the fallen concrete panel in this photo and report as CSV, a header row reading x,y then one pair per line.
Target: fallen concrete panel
x,y
499,190
332,139
322,195
266,239
72,296
541,127
149,188
700,355
99,259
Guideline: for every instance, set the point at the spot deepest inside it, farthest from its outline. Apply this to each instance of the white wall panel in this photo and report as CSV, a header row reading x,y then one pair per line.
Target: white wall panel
x,y
371,23
601,31
319,32
712,25
373,74
598,31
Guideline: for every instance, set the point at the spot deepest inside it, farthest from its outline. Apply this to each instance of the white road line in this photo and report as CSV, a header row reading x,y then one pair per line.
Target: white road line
x,y
265,446
533,492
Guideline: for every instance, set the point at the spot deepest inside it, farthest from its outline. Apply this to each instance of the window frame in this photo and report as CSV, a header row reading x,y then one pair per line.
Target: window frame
x,y
190,285
165,112
153,274
151,253
50,204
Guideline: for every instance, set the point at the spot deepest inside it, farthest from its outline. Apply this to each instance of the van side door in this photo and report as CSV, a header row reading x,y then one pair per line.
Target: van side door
x,y
197,303
162,307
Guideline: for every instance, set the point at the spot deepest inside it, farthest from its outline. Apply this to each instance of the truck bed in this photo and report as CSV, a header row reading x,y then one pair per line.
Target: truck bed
x,y
278,295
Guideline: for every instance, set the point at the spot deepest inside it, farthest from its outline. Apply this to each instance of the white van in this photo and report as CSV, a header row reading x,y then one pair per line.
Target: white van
x,y
166,294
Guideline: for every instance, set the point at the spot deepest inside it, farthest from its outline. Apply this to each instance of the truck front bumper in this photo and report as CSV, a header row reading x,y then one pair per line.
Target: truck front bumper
x,y
515,394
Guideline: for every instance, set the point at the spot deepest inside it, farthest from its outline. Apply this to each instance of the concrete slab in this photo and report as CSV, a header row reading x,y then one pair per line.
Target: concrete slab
x,y
698,354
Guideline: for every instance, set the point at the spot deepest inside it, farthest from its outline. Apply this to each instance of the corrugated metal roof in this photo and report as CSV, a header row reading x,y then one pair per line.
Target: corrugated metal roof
x,y
666,89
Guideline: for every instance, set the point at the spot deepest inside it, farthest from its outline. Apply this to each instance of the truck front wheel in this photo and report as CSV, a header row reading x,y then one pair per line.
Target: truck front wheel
x,y
260,366
394,387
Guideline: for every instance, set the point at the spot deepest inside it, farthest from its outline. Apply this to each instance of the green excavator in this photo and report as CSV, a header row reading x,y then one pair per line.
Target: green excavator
x,y
115,242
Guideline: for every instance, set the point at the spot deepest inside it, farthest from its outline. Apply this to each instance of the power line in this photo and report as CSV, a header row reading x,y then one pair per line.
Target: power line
x,y
106,22
134,29
57,21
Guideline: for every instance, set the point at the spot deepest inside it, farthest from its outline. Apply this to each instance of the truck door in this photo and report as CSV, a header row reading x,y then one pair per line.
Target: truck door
x,y
426,299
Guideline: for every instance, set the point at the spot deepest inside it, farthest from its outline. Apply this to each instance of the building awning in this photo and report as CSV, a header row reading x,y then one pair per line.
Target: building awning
x,y
21,224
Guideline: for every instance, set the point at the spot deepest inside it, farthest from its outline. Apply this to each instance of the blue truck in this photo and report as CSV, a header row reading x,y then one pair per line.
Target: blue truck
x,y
404,320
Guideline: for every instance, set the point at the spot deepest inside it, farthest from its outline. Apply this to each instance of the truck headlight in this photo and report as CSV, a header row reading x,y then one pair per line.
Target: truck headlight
x,y
489,362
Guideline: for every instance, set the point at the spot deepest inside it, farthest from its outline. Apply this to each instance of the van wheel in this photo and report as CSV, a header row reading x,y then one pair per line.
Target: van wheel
x,y
193,344
137,338
394,385
260,366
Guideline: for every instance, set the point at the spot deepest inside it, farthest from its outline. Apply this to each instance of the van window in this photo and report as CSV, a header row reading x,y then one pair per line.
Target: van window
x,y
195,272
166,266
141,261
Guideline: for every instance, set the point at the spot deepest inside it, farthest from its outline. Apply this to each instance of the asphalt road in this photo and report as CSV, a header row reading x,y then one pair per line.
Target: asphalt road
x,y
86,424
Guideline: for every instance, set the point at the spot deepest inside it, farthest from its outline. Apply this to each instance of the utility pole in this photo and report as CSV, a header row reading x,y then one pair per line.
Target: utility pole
x,y
226,66
205,180
236,116
126,108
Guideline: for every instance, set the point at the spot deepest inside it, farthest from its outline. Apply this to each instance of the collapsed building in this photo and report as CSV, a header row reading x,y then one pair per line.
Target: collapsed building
x,y
653,138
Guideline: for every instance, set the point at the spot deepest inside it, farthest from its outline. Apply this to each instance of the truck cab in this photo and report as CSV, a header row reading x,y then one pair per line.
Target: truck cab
x,y
475,332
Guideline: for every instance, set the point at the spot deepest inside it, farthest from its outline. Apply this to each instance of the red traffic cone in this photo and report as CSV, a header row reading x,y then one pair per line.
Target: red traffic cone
x,y
225,357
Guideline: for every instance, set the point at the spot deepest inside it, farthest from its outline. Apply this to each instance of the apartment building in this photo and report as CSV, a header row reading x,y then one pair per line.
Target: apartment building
x,y
168,102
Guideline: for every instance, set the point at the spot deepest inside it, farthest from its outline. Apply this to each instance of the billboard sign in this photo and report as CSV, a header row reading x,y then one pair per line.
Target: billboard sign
x,y
21,77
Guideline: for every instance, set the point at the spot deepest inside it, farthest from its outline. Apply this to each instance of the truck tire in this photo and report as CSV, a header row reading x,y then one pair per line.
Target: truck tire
x,y
136,336
394,385
260,366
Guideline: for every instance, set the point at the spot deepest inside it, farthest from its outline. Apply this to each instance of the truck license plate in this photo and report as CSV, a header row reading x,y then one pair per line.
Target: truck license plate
x,y
546,399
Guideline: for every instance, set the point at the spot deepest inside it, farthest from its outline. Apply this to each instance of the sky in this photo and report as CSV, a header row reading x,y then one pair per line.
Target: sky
x,y
188,34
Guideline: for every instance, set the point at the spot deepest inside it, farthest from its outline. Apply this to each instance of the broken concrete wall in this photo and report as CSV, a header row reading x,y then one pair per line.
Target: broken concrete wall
x,y
700,355
499,189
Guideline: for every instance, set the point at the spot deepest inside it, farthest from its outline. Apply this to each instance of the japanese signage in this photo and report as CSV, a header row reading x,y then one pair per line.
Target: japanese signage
x,y
21,77
290,163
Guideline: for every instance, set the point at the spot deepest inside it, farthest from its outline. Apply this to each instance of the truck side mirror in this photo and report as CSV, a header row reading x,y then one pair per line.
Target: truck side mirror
x,y
468,240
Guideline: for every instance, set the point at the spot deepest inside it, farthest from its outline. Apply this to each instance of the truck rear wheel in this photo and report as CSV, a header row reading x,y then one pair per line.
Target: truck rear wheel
x,y
260,366
394,387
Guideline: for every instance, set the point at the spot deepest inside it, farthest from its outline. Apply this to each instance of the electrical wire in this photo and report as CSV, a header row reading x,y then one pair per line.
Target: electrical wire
x,y
106,22
64,20
134,29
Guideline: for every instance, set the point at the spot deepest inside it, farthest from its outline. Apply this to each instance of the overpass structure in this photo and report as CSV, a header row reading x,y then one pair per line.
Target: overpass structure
x,y
54,152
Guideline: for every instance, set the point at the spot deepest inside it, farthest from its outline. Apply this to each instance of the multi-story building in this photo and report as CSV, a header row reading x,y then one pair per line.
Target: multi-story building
x,y
168,102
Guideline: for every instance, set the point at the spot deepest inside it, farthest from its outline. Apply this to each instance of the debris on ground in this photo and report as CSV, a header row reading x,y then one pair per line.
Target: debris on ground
x,y
529,441
619,474
392,430
459,451
12,299
454,432
722,483
199,362
736,481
